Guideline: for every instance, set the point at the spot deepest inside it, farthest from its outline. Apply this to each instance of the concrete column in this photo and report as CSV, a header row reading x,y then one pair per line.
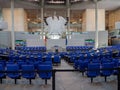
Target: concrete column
x,y
12,29
96,24
20,19
90,19
68,15
1,17
42,18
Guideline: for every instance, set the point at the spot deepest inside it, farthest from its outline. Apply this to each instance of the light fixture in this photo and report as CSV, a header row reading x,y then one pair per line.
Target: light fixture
x,y
28,19
56,2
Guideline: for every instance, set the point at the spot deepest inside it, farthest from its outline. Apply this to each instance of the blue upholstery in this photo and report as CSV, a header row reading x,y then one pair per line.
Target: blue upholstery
x,y
93,70
2,75
82,66
13,71
56,59
106,73
14,68
20,63
45,75
3,62
76,64
28,72
48,58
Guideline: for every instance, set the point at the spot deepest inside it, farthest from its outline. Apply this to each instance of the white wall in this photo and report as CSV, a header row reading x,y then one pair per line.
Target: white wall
x,y
55,42
79,39
35,42
19,18
90,19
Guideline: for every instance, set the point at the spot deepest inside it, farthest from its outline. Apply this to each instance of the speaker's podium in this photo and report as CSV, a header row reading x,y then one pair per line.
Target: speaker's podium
x,y
56,49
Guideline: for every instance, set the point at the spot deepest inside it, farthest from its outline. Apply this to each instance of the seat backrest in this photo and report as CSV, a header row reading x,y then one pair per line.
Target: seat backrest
x,y
44,67
2,68
108,66
94,68
12,67
48,58
46,74
28,70
28,67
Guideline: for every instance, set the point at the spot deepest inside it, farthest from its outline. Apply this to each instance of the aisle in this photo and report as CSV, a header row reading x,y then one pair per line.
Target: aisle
x,y
75,80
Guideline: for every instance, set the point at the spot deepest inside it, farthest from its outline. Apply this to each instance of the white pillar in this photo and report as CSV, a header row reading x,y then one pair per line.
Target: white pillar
x,y
96,24
12,28
68,15
1,17
42,18
90,22
42,22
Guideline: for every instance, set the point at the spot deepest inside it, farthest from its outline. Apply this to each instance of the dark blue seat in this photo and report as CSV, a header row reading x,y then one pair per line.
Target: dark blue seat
x,y
82,66
20,63
106,72
13,71
76,64
47,74
3,62
72,58
56,59
93,70
2,75
48,58
116,65
28,72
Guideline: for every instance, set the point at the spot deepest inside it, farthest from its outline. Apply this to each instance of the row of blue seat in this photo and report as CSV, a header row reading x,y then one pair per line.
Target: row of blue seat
x,y
94,60
27,71
42,48
75,48
93,70
34,58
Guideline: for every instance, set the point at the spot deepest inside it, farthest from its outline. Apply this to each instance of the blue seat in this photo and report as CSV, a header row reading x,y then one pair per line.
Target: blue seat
x,y
28,72
45,75
3,62
76,64
72,58
116,65
2,75
56,59
93,70
82,66
13,71
48,58
106,72
20,63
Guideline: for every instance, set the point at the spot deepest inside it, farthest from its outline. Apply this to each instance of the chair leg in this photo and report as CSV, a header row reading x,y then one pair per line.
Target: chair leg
x,y
15,81
30,81
82,73
45,81
105,78
1,80
91,80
